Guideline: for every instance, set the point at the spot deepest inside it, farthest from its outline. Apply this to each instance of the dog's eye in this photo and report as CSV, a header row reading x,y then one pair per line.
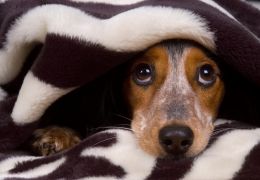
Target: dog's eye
x,y
143,74
206,75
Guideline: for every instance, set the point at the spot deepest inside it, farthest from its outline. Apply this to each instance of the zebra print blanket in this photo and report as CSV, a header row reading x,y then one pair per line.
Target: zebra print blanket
x,y
233,153
51,48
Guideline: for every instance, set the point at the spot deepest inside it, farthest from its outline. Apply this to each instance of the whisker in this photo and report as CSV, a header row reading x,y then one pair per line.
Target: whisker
x,y
114,127
219,132
103,141
119,115
225,129
222,130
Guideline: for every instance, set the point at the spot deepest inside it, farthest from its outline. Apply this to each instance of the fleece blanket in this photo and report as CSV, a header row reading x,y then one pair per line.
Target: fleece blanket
x,y
233,153
51,51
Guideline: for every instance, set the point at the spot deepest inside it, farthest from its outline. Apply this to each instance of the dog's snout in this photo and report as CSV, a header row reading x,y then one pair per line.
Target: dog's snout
x,y
176,140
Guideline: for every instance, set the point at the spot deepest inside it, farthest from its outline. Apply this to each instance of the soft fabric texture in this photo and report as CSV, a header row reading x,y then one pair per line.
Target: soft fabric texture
x,y
233,153
52,51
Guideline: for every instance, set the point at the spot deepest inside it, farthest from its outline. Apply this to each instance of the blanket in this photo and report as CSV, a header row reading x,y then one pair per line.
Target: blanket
x,y
56,56
233,153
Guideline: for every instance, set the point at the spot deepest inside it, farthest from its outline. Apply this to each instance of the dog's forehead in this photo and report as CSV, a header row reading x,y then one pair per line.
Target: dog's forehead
x,y
175,51
176,80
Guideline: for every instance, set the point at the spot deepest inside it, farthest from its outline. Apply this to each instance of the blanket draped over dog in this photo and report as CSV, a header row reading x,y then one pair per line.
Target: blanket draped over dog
x,y
50,49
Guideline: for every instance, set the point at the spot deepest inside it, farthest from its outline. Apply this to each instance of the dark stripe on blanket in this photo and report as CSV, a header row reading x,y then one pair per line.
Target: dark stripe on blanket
x,y
27,165
251,163
251,20
18,134
71,62
170,169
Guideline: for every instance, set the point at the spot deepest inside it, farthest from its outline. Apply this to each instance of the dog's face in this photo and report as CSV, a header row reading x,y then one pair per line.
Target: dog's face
x,y
174,91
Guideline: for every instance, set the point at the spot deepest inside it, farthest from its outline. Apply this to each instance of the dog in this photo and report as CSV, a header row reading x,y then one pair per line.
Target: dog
x,y
173,91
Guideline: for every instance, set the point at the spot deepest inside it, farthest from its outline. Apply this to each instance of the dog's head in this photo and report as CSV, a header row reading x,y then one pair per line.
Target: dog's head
x,y
174,90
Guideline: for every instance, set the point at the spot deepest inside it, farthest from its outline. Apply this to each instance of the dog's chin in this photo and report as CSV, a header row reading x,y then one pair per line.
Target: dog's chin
x,y
194,151
179,157
176,157
155,150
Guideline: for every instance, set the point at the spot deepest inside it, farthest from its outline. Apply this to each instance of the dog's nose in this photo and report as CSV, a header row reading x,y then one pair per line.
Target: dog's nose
x,y
176,140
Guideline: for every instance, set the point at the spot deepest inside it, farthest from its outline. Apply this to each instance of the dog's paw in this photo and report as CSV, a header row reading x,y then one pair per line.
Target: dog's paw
x,y
52,140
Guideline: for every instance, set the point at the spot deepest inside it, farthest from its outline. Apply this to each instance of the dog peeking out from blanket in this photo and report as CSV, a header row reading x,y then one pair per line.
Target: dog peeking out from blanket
x,y
172,90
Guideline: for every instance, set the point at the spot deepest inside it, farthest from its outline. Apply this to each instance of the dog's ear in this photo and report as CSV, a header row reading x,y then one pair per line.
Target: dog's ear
x,y
242,98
